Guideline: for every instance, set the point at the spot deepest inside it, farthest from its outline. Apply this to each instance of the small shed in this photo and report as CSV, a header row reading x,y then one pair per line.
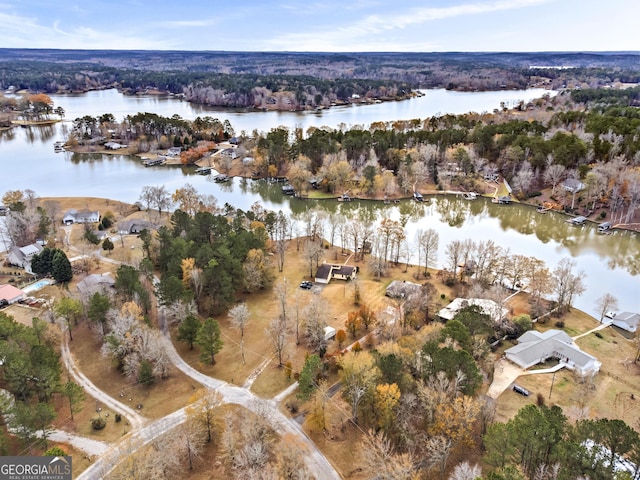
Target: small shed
x,y
329,333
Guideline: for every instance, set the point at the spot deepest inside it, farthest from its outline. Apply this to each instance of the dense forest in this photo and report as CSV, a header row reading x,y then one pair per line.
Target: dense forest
x,y
305,80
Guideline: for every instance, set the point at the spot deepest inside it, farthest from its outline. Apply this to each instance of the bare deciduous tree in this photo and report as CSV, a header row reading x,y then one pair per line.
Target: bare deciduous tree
x,y
239,316
277,333
567,283
554,174
606,303
378,459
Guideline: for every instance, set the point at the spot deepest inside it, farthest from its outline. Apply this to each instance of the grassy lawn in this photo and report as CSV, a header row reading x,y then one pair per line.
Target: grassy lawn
x,y
613,392
157,401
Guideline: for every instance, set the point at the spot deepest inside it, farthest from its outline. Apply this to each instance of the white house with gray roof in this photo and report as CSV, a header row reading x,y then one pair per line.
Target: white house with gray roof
x,y
80,216
628,321
488,307
537,347
22,256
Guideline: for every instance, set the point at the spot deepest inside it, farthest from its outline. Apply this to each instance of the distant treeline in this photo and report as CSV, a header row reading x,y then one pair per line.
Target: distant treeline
x,y
290,81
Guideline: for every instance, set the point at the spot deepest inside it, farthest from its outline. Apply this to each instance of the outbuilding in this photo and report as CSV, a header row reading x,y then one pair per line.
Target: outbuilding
x,y
11,294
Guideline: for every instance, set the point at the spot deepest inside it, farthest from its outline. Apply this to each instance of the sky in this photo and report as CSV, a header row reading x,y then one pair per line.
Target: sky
x,y
323,25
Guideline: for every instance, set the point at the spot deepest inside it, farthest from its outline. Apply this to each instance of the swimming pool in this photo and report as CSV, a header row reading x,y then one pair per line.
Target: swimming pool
x,y
37,286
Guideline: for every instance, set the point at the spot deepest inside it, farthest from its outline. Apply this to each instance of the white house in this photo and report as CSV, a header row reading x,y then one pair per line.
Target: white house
x,y
114,146
83,216
21,256
536,347
572,185
229,152
488,307
628,321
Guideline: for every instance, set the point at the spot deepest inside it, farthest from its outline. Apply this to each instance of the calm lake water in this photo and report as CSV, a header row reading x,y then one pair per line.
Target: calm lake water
x,y
27,160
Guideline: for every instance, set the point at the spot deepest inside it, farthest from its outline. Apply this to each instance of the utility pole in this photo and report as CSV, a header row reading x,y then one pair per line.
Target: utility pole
x,y
552,382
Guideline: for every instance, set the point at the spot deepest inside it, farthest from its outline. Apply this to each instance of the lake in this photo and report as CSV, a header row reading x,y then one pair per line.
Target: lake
x,y
27,160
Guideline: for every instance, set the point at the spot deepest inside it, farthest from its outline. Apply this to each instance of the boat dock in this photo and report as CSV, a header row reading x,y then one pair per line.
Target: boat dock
x,y
153,162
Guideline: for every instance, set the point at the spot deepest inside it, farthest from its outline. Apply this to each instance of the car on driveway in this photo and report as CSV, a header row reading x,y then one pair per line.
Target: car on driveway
x,y
521,390
306,285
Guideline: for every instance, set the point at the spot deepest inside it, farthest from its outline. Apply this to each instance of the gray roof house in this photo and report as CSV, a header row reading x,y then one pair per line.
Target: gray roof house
x,y
96,282
572,185
134,226
80,216
21,256
488,307
628,321
402,289
326,272
536,347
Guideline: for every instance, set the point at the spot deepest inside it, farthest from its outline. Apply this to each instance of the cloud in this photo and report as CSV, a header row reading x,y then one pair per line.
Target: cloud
x,y
379,23
353,36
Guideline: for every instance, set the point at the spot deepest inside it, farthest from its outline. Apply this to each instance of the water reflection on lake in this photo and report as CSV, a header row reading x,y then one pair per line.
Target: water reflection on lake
x,y
27,160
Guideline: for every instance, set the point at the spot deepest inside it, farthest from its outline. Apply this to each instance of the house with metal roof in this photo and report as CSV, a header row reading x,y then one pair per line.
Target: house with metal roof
x,y
537,347
488,307
628,321
10,294
80,216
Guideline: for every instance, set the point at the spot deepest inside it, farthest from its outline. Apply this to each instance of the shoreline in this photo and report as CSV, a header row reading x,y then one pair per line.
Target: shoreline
x,y
205,161
112,203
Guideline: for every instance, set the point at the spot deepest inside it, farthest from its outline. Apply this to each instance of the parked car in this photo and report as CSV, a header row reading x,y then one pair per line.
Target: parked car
x,y
4,302
521,390
306,285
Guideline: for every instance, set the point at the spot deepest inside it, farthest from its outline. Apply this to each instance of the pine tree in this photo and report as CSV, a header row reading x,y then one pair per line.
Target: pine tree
x,y
188,330
209,341
107,245
61,267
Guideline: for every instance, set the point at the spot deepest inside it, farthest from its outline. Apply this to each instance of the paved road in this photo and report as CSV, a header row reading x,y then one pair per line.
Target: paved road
x,y
317,464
